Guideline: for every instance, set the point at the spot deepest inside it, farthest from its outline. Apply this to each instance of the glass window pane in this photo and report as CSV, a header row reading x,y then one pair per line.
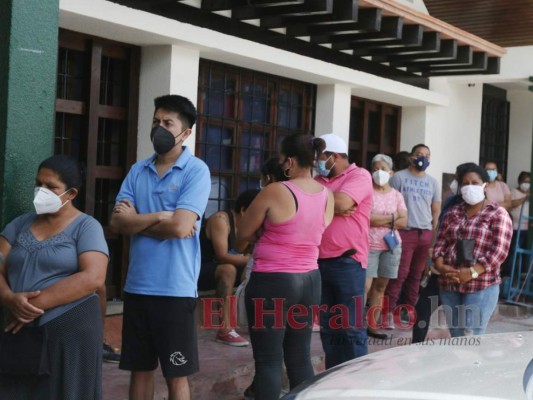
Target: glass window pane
x,y
218,149
112,142
219,195
373,127
70,136
114,82
105,193
256,102
72,74
390,129
243,116
252,151
249,183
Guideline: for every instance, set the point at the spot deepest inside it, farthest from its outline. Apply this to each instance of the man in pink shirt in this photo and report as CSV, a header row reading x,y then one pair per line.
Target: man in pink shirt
x,y
343,254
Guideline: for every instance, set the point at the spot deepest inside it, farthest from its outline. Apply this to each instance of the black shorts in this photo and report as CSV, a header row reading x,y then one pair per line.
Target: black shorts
x,y
207,281
159,328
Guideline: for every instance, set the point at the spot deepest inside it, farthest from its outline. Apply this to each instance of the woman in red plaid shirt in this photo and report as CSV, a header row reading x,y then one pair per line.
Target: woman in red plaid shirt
x,y
472,242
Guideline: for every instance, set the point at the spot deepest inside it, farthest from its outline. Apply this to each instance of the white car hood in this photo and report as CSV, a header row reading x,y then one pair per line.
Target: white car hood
x,y
474,367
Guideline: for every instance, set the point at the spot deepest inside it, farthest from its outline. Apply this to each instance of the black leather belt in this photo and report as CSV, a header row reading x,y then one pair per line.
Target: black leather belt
x,y
347,253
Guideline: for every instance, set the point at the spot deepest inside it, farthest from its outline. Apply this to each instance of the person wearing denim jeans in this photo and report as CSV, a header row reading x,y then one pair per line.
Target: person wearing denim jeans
x,y
343,282
469,311
343,254
472,243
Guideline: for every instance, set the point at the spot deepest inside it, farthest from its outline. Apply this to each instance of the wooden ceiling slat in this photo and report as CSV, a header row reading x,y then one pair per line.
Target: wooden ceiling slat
x,y
503,22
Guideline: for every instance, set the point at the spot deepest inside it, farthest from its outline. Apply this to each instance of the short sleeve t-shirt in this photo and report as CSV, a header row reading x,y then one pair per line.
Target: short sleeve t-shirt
x,y
37,264
497,192
350,232
515,212
419,193
385,203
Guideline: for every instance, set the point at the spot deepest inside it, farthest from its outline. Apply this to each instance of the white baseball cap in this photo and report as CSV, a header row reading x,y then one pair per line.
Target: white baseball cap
x,y
334,144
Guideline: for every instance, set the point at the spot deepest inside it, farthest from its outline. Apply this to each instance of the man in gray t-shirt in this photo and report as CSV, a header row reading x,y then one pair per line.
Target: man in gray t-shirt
x,y
421,193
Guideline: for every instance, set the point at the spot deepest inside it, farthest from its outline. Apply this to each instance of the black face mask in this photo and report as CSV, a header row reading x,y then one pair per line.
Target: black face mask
x,y
162,139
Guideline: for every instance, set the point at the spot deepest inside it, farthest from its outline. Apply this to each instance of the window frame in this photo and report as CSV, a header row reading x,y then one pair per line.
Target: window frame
x,y
233,116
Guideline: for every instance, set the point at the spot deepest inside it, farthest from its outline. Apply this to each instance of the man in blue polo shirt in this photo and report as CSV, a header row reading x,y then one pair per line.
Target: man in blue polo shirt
x,y
160,204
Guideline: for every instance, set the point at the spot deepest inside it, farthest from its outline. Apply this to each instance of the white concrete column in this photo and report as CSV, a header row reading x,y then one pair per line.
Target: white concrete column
x,y
413,127
164,70
333,110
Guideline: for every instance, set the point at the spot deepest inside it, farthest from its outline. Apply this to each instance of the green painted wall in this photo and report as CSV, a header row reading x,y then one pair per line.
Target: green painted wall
x,y
28,59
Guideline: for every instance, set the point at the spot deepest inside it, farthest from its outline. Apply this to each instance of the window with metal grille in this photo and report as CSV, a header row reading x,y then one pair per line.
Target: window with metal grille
x,y
96,110
494,143
242,117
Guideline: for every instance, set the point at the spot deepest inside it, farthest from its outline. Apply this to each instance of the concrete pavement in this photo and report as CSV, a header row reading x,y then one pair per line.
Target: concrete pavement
x,y
225,371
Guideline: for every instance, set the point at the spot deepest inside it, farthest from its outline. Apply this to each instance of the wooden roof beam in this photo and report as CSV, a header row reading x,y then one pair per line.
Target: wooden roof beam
x,y
389,29
411,35
368,20
308,7
492,67
465,57
391,7
343,11
446,51
219,5
430,43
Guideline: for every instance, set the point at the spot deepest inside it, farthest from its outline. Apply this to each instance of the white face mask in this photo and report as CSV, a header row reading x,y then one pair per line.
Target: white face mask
x,y
524,187
46,201
380,177
453,186
473,194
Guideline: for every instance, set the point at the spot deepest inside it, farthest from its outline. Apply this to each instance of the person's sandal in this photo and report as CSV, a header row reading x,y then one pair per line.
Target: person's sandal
x,y
109,354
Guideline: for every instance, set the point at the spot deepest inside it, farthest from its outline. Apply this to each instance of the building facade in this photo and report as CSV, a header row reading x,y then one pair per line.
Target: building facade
x,y
257,71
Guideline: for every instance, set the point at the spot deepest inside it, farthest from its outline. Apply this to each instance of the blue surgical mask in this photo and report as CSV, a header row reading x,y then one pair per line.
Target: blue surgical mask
x,y
492,174
421,163
321,167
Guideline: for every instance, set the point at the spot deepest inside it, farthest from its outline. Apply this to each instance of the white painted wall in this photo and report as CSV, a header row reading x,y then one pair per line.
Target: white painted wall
x,y
164,70
417,5
333,110
520,134
413,128
451,132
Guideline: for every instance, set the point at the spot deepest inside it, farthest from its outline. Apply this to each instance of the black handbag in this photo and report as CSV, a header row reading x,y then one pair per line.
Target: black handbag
x,y
25,353
390,237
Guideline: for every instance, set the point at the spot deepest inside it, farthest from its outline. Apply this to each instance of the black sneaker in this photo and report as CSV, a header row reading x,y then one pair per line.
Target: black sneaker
x,y
110,354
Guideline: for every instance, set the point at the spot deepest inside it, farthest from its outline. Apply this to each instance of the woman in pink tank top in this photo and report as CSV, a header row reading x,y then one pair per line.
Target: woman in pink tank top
x,y
286,220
